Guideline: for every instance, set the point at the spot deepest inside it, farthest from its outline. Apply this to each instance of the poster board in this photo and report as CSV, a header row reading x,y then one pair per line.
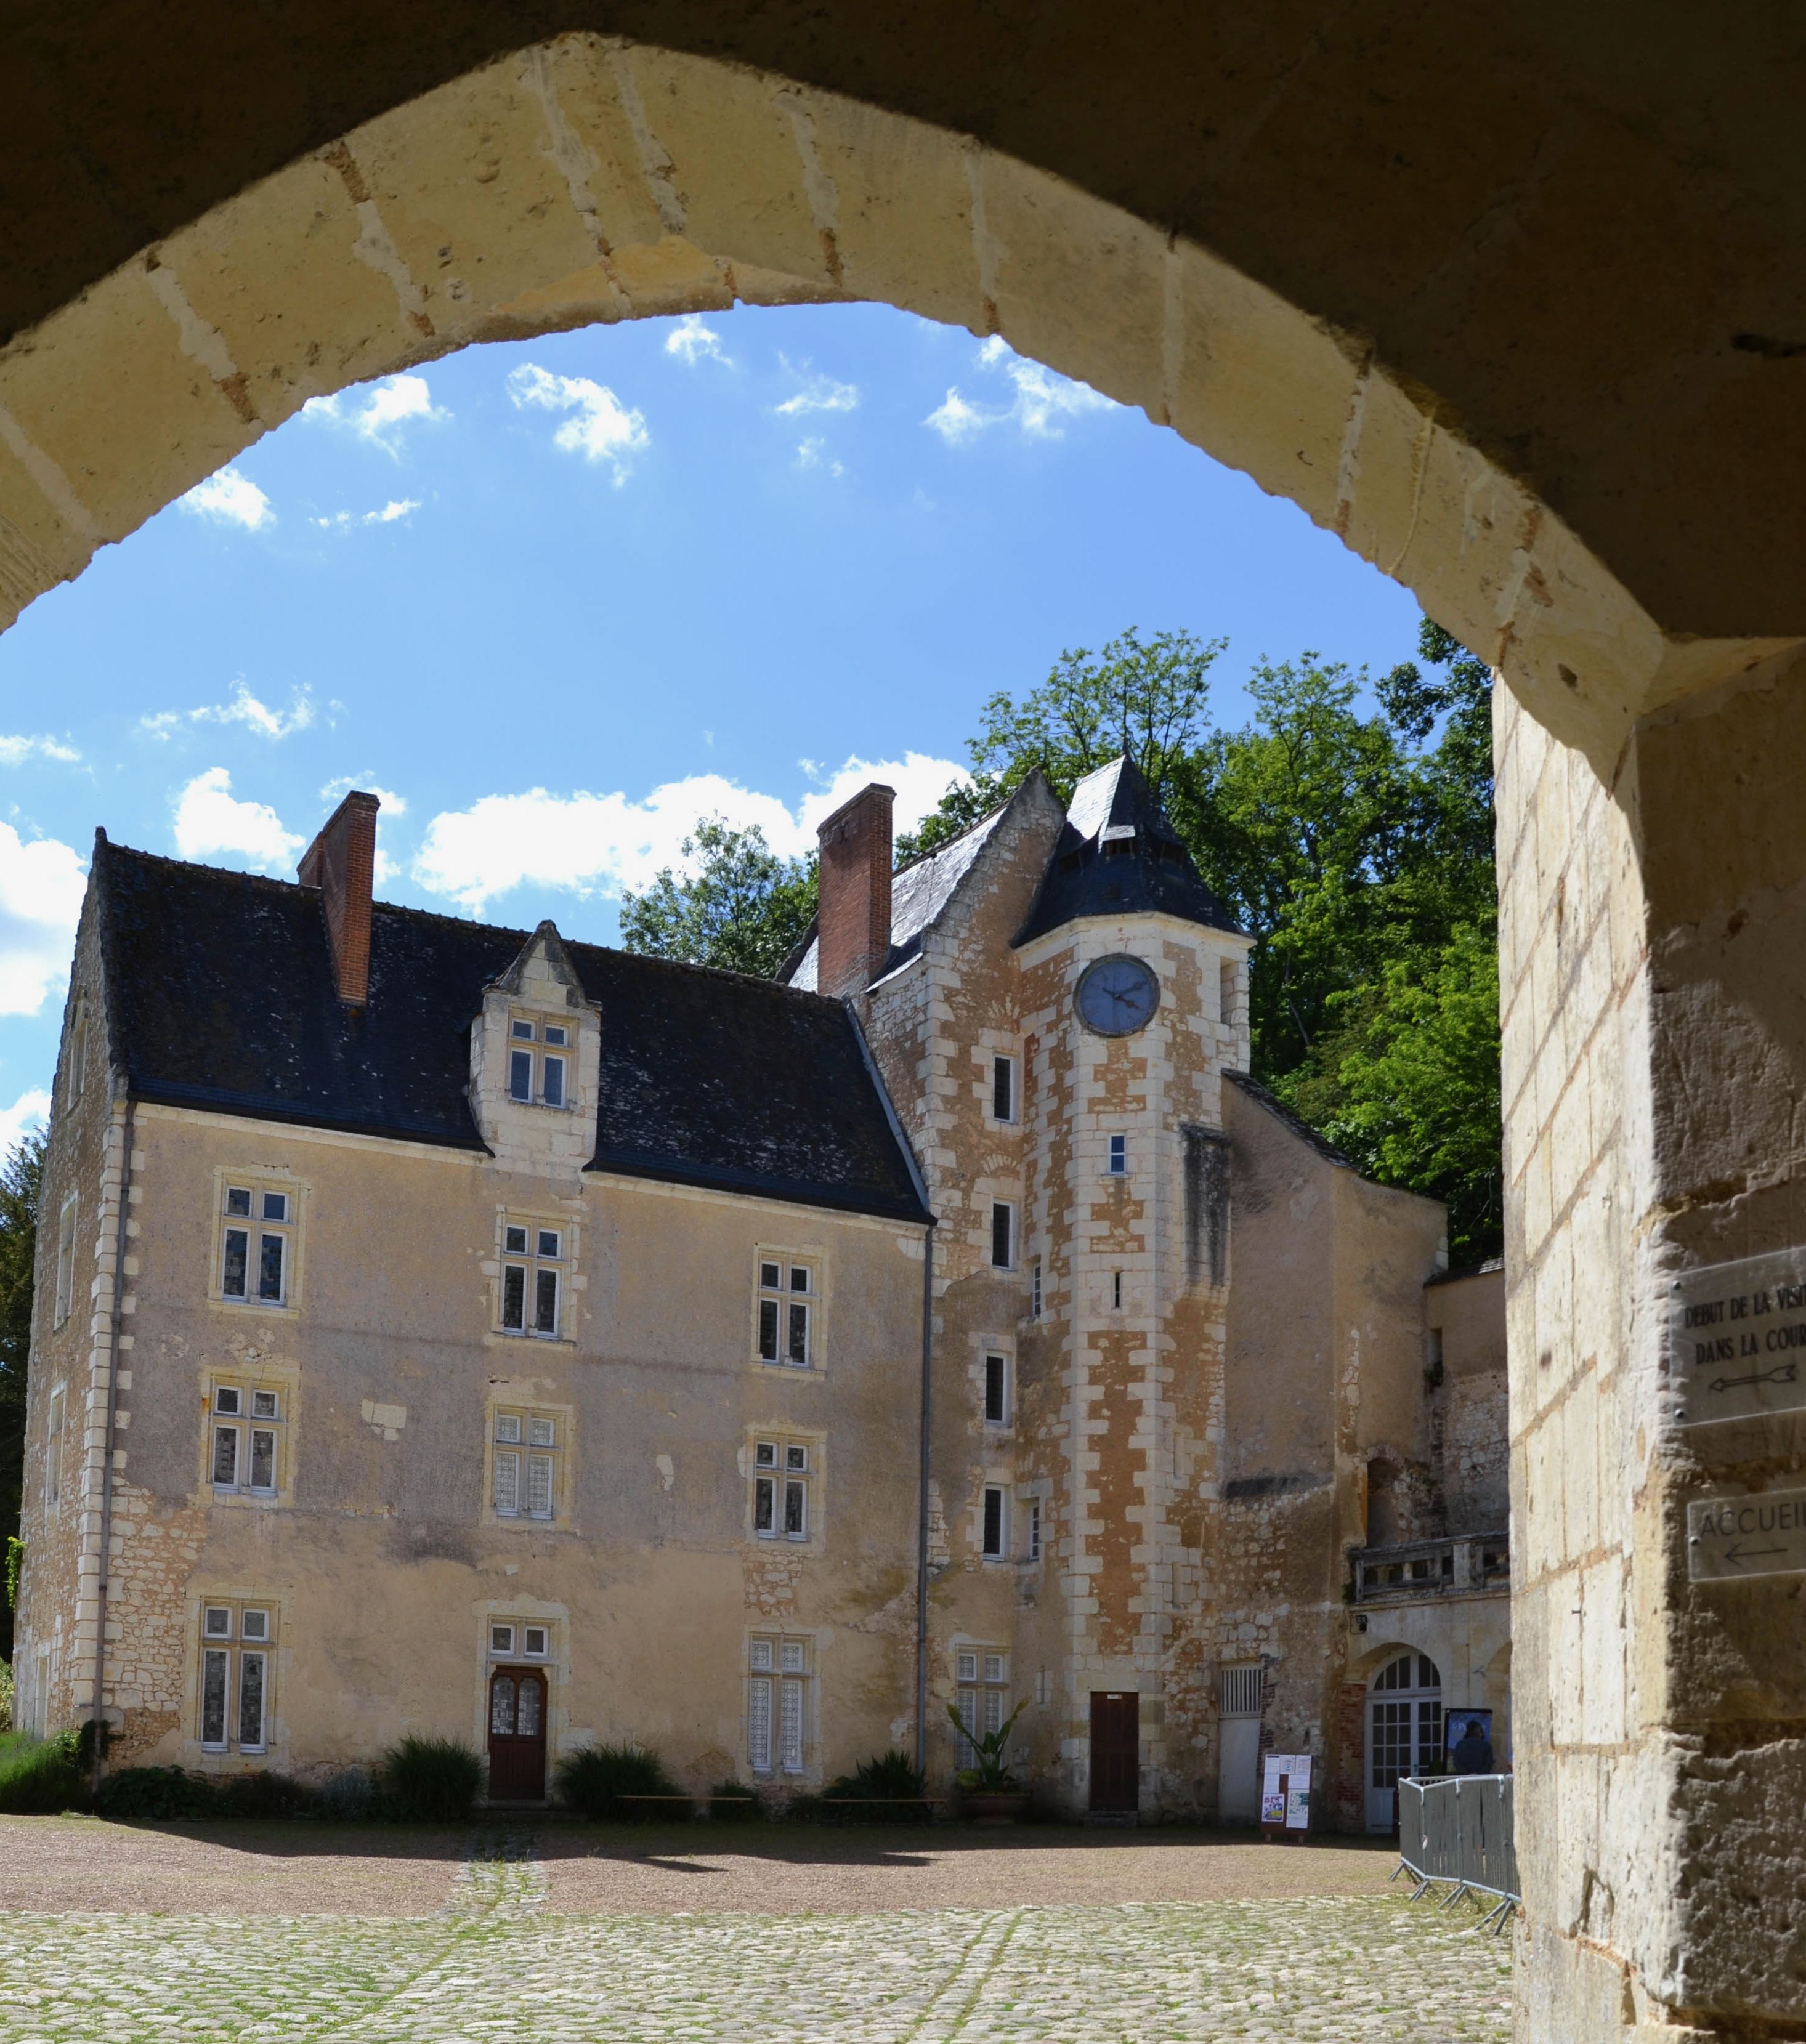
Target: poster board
x,y
1285,1791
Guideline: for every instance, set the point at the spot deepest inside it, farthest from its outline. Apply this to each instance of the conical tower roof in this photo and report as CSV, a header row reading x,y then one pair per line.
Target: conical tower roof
x,y
1117,855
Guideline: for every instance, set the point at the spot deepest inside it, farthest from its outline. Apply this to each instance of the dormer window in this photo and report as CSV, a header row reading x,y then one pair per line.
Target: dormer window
x,y
538,1056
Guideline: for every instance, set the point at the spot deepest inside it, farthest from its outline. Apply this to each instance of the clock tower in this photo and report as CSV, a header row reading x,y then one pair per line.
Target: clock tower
x,y
1134,999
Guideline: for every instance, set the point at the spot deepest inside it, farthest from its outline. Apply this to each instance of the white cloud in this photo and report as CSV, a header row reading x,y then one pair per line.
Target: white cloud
x,y
818,394
1040,403
41,885
603,429
335,792
210,820
379,413
244,708
690,341
30,1110
229,499
813,453
16,752
591,844
396,507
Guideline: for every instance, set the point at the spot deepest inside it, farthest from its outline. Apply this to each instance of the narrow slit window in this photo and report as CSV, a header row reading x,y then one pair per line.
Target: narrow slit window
x,y
1035,1290
993,1523
1034,1529
1003,1089
65,1260
1119,1157
996,1386
1117,1290
1003,1235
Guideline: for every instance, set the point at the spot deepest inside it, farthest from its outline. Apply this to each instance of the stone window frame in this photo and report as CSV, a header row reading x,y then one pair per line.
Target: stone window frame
x,y
68,1216
781,1674
540,1047
235,1644
997,1064
503,1403
982,1686
56,1422
1013,1240
783,1296
262,1379
521,1611
76,1059
531,1261
258,1181
781,1474
1005,1353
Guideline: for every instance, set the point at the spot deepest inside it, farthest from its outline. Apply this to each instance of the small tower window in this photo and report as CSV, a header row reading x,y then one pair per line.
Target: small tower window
x,y
1118,1167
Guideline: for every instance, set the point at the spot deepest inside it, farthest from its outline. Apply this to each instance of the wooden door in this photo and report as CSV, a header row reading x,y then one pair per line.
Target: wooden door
x,y
518,1736
1116,1750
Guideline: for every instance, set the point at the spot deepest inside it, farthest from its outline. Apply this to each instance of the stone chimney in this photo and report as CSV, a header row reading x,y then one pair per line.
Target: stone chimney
x,y
341,862
853,928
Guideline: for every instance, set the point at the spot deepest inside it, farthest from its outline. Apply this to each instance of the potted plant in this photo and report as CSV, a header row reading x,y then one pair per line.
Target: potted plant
x,y
989,1792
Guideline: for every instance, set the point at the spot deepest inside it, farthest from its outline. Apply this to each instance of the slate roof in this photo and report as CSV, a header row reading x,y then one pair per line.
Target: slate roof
x,y
1117,855
918,894
220,995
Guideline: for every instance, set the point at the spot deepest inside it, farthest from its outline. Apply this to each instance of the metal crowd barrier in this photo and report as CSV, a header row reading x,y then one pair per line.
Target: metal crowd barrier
x,y
1458,1828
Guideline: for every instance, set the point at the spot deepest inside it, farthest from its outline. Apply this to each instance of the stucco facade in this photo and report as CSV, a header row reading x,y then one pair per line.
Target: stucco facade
x,y
395,1417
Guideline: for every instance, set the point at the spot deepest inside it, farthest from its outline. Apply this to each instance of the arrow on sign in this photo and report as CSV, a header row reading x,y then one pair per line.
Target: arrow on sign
x,y
1740,1555
1783,1373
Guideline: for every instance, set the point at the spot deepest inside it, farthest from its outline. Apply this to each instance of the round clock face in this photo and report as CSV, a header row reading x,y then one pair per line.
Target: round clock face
x,y
1117,996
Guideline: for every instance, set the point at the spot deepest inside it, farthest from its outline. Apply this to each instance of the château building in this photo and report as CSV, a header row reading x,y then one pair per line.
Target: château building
x,y
451,1329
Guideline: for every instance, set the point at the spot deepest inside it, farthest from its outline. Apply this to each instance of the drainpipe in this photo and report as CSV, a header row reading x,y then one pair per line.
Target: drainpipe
x,y
922,1517
118,1317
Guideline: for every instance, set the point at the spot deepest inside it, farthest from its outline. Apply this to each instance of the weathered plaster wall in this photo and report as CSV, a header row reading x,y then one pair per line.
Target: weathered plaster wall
x,y
380,1554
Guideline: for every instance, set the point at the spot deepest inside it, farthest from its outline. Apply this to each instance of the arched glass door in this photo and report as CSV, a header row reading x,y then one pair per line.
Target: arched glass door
x,y
1404,1730
517,1735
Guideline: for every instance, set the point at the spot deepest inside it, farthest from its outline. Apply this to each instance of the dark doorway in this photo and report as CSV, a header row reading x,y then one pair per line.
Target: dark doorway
x,y
1116,1750
518,1736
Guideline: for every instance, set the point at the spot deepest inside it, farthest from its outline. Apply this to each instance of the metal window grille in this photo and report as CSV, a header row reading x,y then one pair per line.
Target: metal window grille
x,y
1241,1691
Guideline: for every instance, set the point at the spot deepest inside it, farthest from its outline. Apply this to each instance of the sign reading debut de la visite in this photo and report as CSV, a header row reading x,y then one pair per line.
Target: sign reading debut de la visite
x,y
1737,1338
1731,1537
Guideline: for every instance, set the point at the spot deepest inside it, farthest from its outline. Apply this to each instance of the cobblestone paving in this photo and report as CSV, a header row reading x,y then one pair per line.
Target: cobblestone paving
x,y
494,1969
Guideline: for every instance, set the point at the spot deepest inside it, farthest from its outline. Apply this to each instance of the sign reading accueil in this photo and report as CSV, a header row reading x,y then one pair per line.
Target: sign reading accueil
x,y
1731,1537
1737,1338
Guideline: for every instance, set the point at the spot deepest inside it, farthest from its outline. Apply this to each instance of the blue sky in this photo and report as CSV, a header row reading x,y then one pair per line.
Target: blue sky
x,y
555,600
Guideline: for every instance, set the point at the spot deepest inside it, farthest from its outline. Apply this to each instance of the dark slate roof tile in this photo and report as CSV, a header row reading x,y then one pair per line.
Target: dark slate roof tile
x,y
221,995
1118,856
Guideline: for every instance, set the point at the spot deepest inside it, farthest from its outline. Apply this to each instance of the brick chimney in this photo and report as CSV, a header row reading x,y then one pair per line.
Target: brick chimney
x,y
341,862
854,926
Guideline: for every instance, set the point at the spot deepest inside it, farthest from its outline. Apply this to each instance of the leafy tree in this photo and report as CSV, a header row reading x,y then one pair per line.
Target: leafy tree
x,y
743,909
21,1178
1148,699
1355,848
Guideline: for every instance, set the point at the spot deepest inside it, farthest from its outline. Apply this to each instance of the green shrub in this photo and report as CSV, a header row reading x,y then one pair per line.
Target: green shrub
x,y
888,1783
595,1782
6,1695
432,1780
733,1803
265,1794
349,1797
40,1779
156,1794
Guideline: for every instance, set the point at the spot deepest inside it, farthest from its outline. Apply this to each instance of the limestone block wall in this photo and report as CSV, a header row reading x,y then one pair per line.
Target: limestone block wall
x,y
1654,944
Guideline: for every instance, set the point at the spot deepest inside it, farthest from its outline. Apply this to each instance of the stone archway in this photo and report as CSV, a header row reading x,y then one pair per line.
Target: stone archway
x,y
588,179
1648,813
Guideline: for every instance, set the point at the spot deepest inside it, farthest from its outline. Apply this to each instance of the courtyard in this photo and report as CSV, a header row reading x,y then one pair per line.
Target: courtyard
x,y
296,1933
